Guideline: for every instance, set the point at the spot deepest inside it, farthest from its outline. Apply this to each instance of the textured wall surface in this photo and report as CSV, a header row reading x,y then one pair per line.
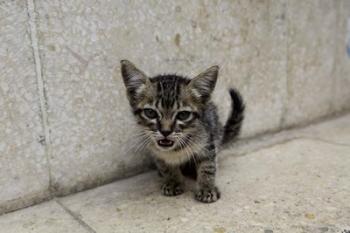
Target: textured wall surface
x,y
24,171
82,44
311,46
65,121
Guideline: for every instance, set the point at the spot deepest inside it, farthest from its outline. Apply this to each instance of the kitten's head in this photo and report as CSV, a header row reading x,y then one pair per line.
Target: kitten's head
x,y
168,107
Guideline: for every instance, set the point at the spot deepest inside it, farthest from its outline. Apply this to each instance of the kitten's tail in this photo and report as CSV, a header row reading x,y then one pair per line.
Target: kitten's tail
x,y
233,124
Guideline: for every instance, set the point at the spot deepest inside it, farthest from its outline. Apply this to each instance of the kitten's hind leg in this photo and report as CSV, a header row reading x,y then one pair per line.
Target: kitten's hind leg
x,y
173,180
207,191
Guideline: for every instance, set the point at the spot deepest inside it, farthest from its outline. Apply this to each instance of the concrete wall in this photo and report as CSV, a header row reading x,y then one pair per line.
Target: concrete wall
x,y
64,119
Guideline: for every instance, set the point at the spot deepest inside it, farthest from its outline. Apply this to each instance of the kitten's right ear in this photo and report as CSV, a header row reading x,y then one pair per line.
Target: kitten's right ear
x,y
134,79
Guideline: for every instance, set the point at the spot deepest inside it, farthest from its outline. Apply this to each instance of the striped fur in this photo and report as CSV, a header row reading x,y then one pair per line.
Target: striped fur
x,y
179,124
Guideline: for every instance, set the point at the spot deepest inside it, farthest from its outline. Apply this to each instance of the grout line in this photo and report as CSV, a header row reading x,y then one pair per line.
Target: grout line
x,y
287,82
334,72
75,217
40,83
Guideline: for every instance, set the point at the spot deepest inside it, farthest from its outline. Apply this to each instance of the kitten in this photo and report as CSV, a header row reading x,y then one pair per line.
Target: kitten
x,y
179,125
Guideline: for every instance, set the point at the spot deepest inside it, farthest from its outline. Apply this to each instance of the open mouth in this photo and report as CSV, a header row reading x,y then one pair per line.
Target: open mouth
x,y
165,143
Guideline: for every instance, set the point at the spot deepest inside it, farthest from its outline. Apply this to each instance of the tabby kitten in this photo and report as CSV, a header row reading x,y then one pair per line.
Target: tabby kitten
x,y
179,125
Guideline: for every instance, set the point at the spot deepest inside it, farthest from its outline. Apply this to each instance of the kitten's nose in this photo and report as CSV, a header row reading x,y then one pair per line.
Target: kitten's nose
x,y
165,133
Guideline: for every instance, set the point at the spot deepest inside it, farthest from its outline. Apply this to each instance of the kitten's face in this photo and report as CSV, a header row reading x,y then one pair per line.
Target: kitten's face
x,y
168,107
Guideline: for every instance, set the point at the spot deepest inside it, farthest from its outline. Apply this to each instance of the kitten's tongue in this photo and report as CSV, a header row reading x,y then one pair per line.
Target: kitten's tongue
x,y
165,142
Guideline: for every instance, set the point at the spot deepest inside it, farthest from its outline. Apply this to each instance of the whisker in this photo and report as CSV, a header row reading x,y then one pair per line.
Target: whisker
x,y
189,150
183,147
145,142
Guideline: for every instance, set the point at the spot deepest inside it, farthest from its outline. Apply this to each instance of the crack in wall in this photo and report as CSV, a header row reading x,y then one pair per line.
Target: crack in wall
x,y
40,83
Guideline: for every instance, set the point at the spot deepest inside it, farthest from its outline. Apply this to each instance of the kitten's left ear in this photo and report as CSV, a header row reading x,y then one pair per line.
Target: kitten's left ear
x,y
203,85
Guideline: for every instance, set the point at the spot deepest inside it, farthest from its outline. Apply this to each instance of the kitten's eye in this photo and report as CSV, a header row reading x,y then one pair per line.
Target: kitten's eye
x,y
150,113
183,115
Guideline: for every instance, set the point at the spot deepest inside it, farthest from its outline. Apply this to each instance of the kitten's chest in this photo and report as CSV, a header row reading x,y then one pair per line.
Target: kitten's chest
x,y
178,157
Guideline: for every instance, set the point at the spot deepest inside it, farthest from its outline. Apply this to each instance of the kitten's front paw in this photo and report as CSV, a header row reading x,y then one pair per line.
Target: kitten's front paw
x,y
172,189
208,195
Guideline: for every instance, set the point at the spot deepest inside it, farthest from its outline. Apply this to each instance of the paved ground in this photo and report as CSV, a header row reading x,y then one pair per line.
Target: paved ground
x,y
294,181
